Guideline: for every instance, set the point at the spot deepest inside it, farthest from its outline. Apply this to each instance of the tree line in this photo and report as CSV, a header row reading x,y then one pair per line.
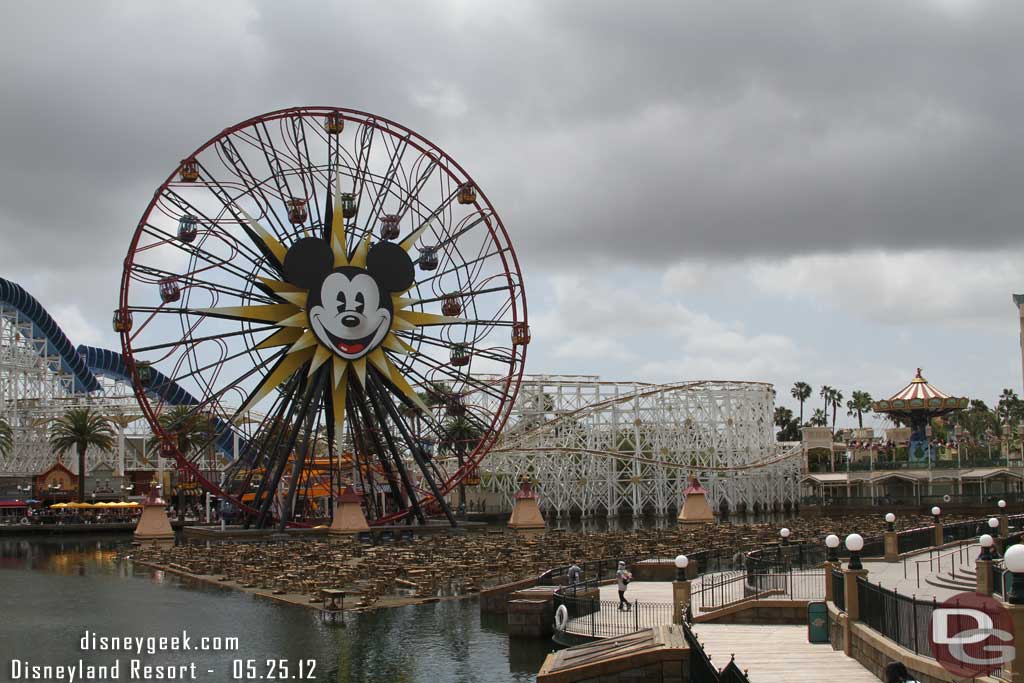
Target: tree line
x,y
977,420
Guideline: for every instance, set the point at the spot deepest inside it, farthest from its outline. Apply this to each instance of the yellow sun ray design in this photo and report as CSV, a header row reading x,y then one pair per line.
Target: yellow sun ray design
x,y
305,350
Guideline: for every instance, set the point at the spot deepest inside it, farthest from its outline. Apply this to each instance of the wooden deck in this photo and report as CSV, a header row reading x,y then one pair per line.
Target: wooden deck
x,y
778,654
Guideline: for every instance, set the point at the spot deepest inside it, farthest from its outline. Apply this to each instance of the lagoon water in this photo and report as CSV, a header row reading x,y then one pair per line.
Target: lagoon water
x,y
54,589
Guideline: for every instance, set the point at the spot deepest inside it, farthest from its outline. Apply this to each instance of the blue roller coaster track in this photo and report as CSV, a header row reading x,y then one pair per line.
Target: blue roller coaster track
x,y
46,328
86,363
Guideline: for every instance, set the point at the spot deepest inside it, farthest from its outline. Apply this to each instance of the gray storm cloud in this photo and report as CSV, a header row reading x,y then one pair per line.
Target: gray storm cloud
x,y
640,135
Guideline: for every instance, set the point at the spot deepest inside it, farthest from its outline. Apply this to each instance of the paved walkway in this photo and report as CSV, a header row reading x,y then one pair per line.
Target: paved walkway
x,y
778,654
924,575
782,653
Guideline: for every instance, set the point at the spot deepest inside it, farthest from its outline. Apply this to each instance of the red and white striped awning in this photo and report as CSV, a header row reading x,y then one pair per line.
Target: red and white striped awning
x,y
919,396
918,388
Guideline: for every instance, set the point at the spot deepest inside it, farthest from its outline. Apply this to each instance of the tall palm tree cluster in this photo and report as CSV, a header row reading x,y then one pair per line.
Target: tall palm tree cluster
x,y
978,420
981,423
832,398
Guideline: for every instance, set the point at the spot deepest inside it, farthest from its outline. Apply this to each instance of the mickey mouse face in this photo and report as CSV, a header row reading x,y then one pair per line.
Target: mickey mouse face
x,y
349,308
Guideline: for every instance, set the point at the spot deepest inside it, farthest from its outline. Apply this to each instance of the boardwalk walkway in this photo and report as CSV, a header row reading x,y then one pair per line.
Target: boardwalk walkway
x,y
779,654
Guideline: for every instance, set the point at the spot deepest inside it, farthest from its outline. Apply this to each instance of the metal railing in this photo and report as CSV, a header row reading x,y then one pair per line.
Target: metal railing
x,y
915,539
721,590
594,618
960,556
838,590
598,570
902,619
964,530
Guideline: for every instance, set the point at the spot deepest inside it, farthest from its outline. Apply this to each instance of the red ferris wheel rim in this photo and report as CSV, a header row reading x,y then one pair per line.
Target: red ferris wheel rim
x,y
507,256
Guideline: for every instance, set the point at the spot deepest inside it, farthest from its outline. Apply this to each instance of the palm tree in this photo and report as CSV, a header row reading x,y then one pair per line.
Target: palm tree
x,y
80,428
6,438
1006,404
460,435
825,392
789,429
190,428
859,404
819,419
801,391
835,397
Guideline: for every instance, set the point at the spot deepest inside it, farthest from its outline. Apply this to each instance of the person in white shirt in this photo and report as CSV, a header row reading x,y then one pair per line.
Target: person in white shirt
x,y
622,579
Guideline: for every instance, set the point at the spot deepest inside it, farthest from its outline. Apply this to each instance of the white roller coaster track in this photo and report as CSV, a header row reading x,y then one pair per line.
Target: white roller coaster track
x,y
34,390
597,447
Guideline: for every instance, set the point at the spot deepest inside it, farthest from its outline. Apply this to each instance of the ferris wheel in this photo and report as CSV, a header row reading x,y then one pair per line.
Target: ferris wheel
x,y
319,298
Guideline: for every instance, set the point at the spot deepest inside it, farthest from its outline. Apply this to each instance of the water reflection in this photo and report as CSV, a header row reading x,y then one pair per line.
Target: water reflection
x,y
55,588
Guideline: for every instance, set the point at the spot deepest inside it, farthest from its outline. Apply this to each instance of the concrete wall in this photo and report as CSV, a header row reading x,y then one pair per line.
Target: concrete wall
x,y
666,672
531,618
495,600
760,612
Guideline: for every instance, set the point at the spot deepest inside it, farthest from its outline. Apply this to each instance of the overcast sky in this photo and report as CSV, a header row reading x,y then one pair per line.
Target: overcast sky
x,y
778,191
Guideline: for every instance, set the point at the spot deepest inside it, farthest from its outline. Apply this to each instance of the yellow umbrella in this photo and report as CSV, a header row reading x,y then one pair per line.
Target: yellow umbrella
x,y
58,506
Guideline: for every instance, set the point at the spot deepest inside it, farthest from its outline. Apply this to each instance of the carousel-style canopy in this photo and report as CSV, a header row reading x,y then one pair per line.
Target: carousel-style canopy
x,y
919,398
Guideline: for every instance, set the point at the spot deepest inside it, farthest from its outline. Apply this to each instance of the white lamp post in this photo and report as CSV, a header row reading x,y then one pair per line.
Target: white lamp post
x,y
936,513
832,543
681,591
682,562
890,519
986,542
855,543
1014,561
1002,504
784,532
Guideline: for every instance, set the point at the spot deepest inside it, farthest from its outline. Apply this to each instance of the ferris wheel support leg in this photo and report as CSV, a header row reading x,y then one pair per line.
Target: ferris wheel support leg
x,y
293,436
300,462
375,400
417,455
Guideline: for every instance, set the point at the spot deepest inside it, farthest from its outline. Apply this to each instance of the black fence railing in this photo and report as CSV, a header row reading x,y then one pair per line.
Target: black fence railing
x,y
964,530
720,590
915,539
785,557
838,590
597,570
902,619
594,618
1000,580
701,668
710,561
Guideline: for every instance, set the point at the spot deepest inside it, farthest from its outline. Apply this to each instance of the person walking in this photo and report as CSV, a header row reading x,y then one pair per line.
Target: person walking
x,y
622,579
574,573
